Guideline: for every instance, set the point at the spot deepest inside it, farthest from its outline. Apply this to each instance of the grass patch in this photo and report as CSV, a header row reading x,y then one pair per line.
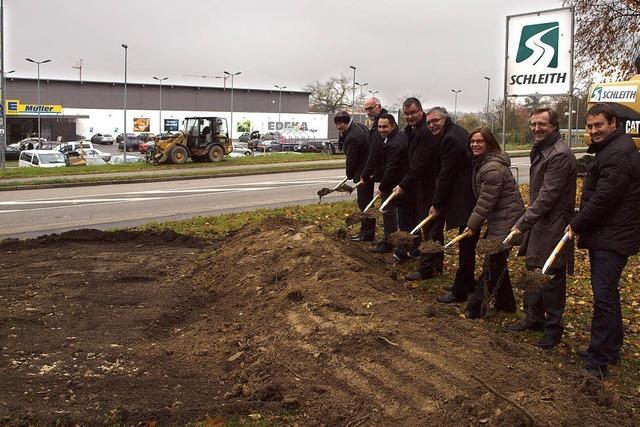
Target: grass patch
x,y
179,169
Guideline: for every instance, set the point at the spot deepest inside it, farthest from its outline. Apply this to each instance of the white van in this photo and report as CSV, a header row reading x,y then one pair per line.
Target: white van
x,y
67,147
41,159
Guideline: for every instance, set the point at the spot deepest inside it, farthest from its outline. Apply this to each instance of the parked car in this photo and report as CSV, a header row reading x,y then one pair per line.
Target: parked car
x,y
104,139
41,159
309,147
12,152
120,137
133,144
67,147
91,152
239,150
118,159
31,143
145,136
144,147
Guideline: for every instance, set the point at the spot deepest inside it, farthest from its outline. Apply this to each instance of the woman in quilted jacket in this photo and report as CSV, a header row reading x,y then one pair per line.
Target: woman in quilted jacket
x,y
499,205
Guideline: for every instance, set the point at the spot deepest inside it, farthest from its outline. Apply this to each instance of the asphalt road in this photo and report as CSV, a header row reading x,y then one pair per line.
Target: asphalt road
x,y
30,213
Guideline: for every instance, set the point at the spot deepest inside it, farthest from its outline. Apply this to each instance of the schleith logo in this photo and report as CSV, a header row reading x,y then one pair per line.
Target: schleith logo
x,y
539,45
596,95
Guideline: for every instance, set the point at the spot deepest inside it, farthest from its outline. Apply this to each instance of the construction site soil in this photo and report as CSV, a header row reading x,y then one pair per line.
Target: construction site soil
x,y
279,321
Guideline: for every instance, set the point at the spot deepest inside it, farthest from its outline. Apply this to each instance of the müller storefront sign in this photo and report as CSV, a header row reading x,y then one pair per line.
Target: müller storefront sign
x,y
539,58
14,108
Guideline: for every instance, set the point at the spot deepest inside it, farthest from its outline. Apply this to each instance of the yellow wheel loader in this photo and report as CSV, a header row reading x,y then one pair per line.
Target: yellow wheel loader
x,y
203,139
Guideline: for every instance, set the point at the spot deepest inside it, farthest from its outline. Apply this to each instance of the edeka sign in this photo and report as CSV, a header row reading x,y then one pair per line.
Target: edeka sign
x,y
539,49
14,107
302,126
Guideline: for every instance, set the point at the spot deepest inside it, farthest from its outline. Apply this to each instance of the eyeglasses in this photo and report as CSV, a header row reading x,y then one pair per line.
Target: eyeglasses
x,y
434,121
371,107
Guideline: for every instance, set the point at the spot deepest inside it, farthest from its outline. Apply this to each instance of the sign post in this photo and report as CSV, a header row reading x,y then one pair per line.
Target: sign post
x,y
539,56
3,123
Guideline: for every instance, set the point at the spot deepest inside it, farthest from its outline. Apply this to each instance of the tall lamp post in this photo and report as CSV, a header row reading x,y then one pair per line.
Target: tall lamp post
x,y
361,86
455,104
488,79
232,75
224,81
38,65
353,96
373,92
160,79
5,137
280,100
124,129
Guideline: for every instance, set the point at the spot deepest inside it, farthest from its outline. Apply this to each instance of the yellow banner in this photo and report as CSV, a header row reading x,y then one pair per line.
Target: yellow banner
x,y
13,107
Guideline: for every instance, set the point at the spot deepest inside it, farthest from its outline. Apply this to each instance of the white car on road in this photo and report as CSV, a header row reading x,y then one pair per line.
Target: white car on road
x,y
41,159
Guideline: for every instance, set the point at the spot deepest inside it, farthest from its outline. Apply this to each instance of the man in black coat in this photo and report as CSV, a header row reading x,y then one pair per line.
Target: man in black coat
x,y
387,164
453,202
608,225
355,140
418,184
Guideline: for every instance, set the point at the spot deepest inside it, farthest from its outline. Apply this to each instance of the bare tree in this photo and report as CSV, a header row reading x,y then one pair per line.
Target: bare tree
x,y
330,95
607,36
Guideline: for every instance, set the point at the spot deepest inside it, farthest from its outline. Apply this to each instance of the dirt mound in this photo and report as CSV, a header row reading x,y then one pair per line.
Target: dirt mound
x,y
279,319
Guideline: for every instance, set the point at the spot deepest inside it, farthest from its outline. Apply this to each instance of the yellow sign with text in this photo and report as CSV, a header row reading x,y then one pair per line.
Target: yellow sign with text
x,y
13,107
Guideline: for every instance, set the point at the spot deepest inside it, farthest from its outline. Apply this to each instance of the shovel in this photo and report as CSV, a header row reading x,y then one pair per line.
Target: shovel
x,y
555,253
325,191
509,237
356,217
492,246
386,202
457,239
370,205
422,224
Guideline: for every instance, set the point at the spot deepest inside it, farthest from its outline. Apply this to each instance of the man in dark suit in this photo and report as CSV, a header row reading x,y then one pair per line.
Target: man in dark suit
x,y
355,140
453,202
387,164
418,184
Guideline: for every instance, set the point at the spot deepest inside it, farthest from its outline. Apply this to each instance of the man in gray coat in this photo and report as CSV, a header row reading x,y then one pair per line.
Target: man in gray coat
x,y
552,189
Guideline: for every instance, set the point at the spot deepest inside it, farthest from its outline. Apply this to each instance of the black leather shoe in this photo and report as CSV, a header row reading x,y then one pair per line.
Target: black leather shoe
x,y
449,298
525,324
600,372
382,248
414,276
357,238
548,342
472,314
400,257
585,356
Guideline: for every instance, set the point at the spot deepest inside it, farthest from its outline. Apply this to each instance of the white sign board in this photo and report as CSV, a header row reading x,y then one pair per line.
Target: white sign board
x,y
539,53
617,93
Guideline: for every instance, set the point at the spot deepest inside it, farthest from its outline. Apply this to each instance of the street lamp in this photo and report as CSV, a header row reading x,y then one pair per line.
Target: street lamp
x,y
224,81
488,79
124,129
231,75
5,137
455,105
38,64
373,92
353,97
280,100
361,86
160,79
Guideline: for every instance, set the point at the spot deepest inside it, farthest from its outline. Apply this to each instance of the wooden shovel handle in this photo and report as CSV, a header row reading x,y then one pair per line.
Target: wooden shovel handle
x,y
509,237
386,202
457,239
422,223
376,197
555,253
341,182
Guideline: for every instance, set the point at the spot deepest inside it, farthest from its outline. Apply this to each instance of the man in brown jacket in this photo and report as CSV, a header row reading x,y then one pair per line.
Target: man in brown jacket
x,y
552,189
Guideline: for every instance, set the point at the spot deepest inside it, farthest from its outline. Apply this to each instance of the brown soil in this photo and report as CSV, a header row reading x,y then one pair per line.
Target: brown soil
x,y
356,217
279,319
345,188
532,280
402,240
490,246
431,247
324,191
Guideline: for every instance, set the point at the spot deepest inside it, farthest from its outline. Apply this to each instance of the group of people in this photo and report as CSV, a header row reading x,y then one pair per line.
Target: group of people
x,y
463,181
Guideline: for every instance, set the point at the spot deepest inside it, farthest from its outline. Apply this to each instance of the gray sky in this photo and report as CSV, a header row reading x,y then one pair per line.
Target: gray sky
x,y
399,48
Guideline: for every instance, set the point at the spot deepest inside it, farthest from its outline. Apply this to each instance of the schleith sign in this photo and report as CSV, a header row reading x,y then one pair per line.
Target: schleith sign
x,y
539,57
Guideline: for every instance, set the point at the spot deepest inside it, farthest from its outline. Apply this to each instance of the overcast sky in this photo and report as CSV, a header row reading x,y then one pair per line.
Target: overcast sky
x,y
399,48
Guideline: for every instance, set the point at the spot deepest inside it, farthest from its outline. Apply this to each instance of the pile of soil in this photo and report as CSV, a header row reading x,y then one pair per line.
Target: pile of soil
x,y
279,319
402,240
431,247
532,280
356,217
490,246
